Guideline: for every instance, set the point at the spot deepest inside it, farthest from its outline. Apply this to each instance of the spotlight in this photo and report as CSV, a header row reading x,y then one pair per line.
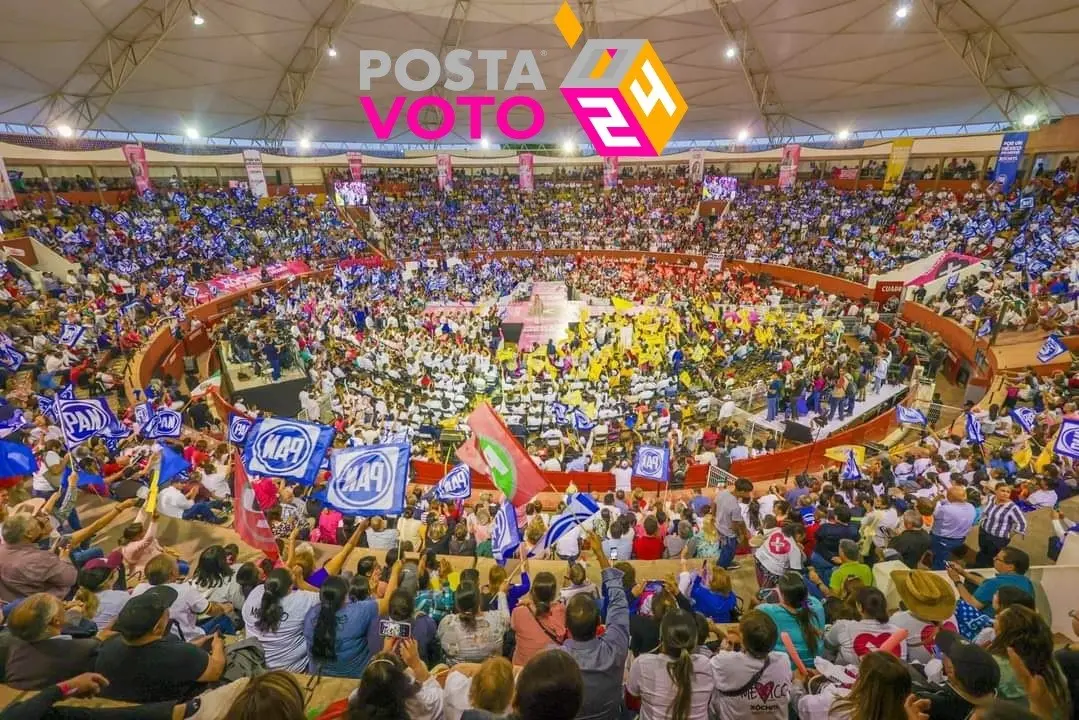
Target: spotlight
x,y
485,143
331,51
902,11
1030,120
197,19
731,52
64,131
569,147
743,135
843,134
305,142
192,133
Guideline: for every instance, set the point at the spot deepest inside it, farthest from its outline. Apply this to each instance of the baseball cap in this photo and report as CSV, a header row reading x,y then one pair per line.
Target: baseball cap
x,y
141,613
112,561
973,667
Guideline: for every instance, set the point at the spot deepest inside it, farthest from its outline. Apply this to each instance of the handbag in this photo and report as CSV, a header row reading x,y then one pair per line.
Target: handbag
x,y
548,633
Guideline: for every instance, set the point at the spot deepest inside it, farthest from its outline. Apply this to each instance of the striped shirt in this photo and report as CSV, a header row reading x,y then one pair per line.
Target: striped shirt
x,y
1001,520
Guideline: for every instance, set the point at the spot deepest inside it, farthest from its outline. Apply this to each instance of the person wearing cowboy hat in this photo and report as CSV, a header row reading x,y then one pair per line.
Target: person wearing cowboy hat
x,y
928,606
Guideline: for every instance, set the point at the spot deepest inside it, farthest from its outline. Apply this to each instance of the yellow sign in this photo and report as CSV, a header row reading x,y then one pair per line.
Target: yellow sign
x,y
897,162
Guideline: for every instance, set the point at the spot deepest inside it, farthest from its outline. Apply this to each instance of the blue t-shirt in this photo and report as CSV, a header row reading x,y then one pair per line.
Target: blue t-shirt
x,y
350,643
318,577
985,592
787,622
715,606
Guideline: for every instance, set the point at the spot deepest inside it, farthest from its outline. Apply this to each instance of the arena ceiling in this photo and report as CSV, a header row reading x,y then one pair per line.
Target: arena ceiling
x,y
775,68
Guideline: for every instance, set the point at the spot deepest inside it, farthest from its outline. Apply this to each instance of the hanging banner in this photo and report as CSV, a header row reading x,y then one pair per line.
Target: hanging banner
x,y
256,178
135,156
610,172
7,194
445,171
355,165
897,162
788,165
1009,156
526,171
696,166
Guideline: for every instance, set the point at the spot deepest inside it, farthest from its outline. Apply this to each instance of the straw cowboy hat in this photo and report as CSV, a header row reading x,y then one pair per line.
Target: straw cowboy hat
x,y
926,594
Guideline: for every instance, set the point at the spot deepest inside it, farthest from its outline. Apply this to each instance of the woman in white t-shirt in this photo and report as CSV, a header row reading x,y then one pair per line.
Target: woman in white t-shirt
x,y
274,614
215,579
883,682
754,683
674,683
781,551
850,640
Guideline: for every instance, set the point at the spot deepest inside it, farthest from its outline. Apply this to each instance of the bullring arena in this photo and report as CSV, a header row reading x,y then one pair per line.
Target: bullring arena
x,y
751,397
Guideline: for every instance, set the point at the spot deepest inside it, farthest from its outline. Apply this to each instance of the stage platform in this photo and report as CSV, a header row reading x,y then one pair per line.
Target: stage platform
x,y
280,397
872,401
546,315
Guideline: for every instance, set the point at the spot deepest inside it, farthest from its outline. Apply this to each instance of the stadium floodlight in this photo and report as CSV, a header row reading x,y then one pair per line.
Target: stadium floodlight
x,y
843,134
64,131
331,50
732,51
192,133
485,143
569,147
743,135
305,142
197,19
902,11
1030,120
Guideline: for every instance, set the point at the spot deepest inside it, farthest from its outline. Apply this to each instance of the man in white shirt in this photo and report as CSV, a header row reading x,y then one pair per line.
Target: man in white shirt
x,y
173,503
162,570
623,476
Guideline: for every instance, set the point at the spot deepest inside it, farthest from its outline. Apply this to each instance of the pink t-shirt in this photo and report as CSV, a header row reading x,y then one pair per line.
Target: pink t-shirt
x,y
534,635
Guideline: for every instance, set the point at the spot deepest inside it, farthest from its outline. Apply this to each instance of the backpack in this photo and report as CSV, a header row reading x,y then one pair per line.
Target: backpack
x,y
243,659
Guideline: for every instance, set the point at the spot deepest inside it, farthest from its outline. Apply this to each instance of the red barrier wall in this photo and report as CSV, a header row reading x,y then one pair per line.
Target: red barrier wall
x,y
21,249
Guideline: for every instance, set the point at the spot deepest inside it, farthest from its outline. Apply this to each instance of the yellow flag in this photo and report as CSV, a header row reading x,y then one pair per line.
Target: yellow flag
x,y
1023,455
621,304
151,499
1044,458
839,453
685,378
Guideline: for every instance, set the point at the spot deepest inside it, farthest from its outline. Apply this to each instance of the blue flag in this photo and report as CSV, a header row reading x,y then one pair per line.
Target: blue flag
x,y
581,508
16,460
143,412
910,416
653,463
71,334
559,411
163,424
368,480
505,535
16,421
80,420
974,430
10,358
239,426
1025,417
67,392
1051,348
1067,442
286,448
953,280
456,485
581,421
986,329
84,479
851,471
173,464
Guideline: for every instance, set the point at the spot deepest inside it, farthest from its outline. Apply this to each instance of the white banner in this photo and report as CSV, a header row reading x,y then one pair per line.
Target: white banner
x,y
696,166
256,178
7,194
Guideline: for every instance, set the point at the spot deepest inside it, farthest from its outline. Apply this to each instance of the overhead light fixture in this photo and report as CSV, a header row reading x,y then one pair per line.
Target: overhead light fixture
x,y
1030,120
485,143
732,50
197,19
743,135
192,133
64,131
569,147
843,134
902,11
305,142
331,50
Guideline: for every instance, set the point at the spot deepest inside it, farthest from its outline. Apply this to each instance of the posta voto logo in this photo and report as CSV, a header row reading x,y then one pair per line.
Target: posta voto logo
x,y
619,91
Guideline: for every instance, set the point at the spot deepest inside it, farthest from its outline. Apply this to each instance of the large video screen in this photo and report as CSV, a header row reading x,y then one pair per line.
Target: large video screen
x,y
350,193
719,187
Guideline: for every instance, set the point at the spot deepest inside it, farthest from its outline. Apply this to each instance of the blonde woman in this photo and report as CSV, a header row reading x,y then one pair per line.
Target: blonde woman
x,y
706,541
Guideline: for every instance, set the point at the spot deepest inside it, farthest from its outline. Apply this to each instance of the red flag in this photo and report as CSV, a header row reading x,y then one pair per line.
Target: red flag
x,y
492,450
250,523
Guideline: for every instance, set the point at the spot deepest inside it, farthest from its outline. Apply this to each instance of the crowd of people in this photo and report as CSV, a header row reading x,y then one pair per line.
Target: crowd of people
x,y
842,615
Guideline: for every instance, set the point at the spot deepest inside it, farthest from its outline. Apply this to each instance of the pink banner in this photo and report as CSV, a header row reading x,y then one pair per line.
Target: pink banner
x,y
948,263
610,172
444,167
135,155
847,173
365,261
526,171
788,166
226,284
355,165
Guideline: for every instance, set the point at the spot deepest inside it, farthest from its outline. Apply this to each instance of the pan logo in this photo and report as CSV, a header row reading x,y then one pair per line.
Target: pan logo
x,y
621,93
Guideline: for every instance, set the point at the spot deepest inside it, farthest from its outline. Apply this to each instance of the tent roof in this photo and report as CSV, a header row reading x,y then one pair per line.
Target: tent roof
x,y
826,64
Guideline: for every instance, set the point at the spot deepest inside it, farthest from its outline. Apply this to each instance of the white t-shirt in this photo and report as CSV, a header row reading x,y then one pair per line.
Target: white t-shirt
x,y
764,700
857,638
888,520
172,503
217,484
284,648
623,477
185,610
921,635
779,553
40,482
